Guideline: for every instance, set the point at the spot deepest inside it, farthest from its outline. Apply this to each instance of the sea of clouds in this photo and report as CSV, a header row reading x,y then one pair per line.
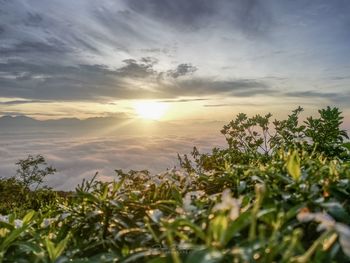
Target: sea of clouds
x,y
78,156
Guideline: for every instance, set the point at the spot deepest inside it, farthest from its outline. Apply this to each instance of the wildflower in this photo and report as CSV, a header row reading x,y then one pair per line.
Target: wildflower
x,y
155,215
4,218
18,223
328,223
344,237
325,220
47,221
228,203
189,197
64,215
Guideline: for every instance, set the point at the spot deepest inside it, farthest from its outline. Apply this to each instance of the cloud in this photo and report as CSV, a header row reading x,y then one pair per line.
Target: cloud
x,y
135,79
182,70
80,82
248,16
19,102
52,47
340,98
135,69
184,100
230,104
183,13
208,86
77,157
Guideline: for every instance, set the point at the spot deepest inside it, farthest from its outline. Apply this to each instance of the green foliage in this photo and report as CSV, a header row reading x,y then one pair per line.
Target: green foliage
x,y
280,196
13,193
16,194
256,140
325,131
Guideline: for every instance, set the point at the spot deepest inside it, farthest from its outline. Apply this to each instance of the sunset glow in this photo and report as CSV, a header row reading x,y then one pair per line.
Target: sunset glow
x,y
150,110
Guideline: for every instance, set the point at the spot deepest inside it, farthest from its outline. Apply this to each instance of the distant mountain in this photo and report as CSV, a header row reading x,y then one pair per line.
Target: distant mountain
x,y
25,123
117,125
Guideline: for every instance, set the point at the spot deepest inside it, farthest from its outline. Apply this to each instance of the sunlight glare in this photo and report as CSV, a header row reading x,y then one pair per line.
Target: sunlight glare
x,y
150,110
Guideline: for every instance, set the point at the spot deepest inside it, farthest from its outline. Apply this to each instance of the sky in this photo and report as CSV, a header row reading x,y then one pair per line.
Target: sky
x,y
196,62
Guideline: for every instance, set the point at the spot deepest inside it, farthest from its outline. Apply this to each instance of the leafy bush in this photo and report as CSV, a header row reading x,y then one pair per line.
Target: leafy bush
x,y
16,194
276,194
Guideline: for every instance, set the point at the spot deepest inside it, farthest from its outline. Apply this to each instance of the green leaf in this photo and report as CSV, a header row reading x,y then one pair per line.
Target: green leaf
x,y
205,255
234,227
159,260
293,165
28,217
89,196
218,228
196,229
28,246
12,237
55,251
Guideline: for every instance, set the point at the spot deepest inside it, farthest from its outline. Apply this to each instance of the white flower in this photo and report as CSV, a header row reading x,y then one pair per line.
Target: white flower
x,y
155,215
18,223
344,237
64,215
328,223
4,218
47,221
156,180
189,197
228,203
325,220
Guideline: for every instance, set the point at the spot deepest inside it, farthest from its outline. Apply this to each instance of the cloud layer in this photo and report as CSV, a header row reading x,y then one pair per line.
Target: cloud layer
x,y
77,158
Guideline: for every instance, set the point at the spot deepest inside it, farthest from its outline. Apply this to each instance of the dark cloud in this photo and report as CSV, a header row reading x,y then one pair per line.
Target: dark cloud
x,y
182,70
33,19
19,102
53,46
248,16
95,82
207,86
136,69
156,50
81,82
252,17
311,94
184,100
185,14
231,104
340,97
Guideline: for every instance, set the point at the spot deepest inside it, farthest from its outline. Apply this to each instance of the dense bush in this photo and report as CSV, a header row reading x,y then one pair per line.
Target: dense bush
x,y
16,193
279,192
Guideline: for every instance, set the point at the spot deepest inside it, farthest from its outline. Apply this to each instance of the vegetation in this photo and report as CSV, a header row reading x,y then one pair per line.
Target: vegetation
x,y
279,192
16,195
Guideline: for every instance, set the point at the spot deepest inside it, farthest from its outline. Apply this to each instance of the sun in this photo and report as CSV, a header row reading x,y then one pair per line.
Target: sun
x,y
150,110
